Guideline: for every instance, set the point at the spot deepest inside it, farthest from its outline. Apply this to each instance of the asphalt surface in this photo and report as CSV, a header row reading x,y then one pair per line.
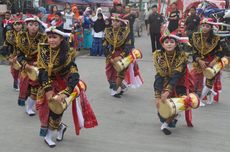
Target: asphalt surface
x,y
129,124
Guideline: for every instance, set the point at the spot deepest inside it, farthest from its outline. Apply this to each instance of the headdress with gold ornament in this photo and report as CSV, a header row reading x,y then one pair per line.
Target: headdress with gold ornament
x,y
55,30
16,21
165,33
118,17
36,19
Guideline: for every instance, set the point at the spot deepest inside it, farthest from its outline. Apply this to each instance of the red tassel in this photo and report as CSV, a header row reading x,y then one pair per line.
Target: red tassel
x,y
188,118
75,118
216,98
217,87
90,119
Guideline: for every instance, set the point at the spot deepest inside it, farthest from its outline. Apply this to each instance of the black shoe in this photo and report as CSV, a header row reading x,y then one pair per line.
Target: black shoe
x,y
121,93
117,96
15,86
166,131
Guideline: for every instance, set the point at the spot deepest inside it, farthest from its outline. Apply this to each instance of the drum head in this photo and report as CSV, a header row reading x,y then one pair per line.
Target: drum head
x,y
166,109
33,74
55,106
209,73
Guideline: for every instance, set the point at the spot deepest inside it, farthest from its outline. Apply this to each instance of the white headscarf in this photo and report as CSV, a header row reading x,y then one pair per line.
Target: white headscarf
x,y
95,17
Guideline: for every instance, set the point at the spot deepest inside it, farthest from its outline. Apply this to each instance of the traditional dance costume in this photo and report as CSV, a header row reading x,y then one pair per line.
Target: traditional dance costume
x,y
28,48
172,76
10,42
116,45
208,49
58,73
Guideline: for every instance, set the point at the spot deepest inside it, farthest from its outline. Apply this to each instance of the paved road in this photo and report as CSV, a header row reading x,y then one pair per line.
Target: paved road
x,y
128,124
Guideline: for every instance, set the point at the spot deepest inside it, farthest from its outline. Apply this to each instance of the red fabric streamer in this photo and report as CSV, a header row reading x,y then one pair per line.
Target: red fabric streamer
x,y
189,86
75,118
90,119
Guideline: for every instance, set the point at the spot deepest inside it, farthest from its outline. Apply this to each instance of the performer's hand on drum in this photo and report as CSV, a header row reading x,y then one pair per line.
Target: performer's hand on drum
x,y
211,64
61,98
11,60
165,96
158,100
49,95
202,64
112,61
28,67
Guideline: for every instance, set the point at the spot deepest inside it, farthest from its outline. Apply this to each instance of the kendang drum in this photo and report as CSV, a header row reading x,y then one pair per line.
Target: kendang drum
x,y
211,72
122,64
59,107
173,106
16,65
32,72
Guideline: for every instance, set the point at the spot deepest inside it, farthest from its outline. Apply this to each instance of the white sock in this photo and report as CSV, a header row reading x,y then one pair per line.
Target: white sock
x,y
48,138
202,103
61,132
204,92
29,107
164,125
113,92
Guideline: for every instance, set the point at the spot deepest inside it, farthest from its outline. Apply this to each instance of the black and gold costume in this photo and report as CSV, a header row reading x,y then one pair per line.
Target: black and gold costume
x,y
116,44
117,40
169,70
11,53
206,49
28,48
11,42
57,72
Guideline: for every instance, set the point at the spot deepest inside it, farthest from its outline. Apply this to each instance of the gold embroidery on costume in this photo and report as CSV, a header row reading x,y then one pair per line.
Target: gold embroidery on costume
x,y
27,44
118,38
166,64
199,42
11,37
49,59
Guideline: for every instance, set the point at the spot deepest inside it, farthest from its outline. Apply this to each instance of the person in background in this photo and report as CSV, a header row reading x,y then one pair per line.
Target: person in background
x,y
57,21
41,13
147,13
130,15
68,17
53,12
87,29
174,18
155,21
79,30
117,8
95,17
76,12
5,24
19,15
67,7
192,22
98,35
